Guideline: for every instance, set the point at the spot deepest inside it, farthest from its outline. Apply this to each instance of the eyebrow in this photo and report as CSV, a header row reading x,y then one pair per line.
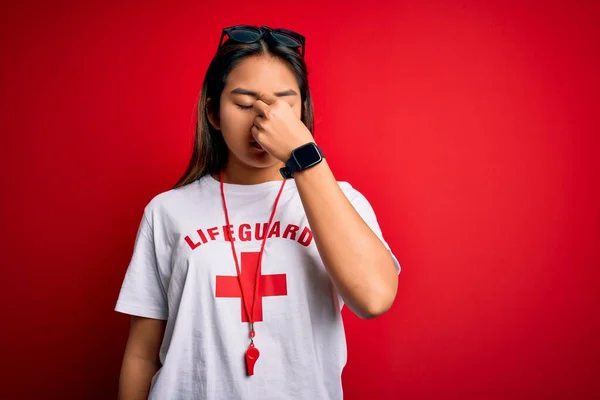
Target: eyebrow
x,y
246,92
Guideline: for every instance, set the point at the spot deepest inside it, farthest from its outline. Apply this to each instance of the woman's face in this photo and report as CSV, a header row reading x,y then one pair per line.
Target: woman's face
x,y
249,79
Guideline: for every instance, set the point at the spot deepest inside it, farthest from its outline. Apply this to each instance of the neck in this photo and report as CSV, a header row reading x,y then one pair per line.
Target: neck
x,y
244,175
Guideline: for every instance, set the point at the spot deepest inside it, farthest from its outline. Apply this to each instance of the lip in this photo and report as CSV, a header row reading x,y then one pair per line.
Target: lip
x,y
255,144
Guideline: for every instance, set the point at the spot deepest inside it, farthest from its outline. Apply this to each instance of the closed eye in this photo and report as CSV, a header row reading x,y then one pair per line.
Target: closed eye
x,y
243,107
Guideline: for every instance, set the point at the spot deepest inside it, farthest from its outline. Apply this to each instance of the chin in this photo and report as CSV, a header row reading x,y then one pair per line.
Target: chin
x,y
259,160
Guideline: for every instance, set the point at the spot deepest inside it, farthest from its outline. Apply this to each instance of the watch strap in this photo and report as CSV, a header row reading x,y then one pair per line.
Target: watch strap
x,y
292,165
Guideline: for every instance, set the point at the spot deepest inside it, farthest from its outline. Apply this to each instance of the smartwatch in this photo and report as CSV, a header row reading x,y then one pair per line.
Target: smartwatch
x,y
302,158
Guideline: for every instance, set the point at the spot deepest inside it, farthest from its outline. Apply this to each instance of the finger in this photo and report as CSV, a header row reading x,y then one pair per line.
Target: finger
x,y
261,108
267,98
258,135
259,121
255,131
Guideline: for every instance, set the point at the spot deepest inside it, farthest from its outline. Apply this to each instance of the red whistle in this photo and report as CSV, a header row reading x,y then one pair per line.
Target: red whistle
x,y
252,355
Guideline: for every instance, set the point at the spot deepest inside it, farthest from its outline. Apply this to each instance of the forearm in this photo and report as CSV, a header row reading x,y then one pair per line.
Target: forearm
x,y
136,376
358,263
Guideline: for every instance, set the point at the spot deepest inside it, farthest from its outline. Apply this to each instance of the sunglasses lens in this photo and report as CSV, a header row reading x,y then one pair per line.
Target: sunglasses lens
x,y
286,40
245,35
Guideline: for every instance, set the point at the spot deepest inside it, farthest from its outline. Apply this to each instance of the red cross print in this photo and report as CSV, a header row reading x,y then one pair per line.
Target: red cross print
x,y
269,285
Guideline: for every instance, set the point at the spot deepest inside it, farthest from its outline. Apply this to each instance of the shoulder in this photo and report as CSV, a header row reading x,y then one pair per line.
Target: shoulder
x,y
166,202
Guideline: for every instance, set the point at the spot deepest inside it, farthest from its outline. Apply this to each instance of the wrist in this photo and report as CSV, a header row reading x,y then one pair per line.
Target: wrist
x,y
309,172
302,158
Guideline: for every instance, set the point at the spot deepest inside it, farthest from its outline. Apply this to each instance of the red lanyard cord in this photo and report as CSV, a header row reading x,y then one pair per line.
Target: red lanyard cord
x,y
235,258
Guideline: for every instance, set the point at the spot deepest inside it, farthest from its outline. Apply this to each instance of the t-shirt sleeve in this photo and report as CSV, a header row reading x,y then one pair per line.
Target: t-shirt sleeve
x,y
142,291
365,210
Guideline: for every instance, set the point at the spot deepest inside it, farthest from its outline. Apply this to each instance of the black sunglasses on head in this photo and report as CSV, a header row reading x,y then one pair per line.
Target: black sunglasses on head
x,y
252,34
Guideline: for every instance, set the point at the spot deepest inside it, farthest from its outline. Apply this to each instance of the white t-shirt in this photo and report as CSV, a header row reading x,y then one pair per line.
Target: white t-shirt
x,y
182,271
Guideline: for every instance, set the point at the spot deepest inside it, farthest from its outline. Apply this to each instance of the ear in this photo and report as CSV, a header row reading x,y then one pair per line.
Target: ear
x,y
213,118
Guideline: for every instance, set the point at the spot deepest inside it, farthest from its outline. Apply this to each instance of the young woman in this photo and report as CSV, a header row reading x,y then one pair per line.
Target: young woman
x,y
239,273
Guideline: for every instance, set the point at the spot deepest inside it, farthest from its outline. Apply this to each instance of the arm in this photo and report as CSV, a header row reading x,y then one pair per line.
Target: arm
x,y
141,360
360,266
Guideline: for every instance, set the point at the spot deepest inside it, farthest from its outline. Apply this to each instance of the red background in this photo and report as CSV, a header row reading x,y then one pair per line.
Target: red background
x,y
472,129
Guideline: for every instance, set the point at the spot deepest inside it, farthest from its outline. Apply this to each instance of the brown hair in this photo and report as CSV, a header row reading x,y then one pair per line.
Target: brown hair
x,y
209,155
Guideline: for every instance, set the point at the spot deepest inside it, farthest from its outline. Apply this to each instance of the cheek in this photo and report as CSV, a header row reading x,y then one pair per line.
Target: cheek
x,y
233,120
298,110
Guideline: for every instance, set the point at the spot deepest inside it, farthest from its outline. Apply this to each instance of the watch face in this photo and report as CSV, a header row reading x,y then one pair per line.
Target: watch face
x,y
307,156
